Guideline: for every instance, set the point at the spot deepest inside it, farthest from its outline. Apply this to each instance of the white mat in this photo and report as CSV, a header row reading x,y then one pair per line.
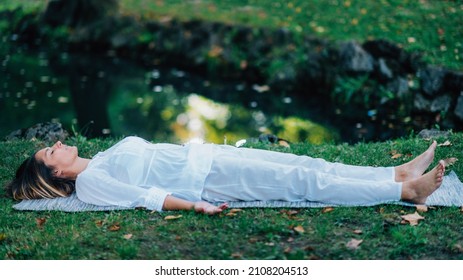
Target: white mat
x,y
449,194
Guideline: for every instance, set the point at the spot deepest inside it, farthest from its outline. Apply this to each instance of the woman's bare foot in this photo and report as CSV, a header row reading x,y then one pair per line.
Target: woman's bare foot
x,y
416,167
418,190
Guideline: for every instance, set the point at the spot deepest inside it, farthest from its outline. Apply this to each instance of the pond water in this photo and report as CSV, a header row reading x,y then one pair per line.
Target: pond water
x,y
101,95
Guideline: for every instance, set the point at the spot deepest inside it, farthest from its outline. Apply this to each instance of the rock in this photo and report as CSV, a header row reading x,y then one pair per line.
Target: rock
x,y
438,104
441,103
454,82
49,131
459,108
433,133
399,86
420,103
383,48
409,62
354,58
431,80
384,70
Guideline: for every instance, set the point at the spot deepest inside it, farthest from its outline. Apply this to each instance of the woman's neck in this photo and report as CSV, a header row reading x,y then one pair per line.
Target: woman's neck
x,y
79,166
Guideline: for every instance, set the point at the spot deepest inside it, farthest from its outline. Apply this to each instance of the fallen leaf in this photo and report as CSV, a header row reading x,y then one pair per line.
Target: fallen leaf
x,y
284,143
128,236
354,243
309,248
450,161
289,212
2,237
99,223
230,214
421,208
458,248
412,219
445,144
287,250
114,227
235,210
253,240
290,239
395,156
172,217
358,231
178,237
299,229
40,221
237,255
327,209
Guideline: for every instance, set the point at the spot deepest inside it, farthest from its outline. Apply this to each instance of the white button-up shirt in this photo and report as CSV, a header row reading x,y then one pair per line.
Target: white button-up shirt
x,y
136,173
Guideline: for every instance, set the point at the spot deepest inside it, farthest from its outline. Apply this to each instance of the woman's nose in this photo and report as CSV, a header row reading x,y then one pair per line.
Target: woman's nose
x,y
58,144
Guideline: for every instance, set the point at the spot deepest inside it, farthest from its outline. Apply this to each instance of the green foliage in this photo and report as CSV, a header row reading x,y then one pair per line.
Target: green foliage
x,y
249,234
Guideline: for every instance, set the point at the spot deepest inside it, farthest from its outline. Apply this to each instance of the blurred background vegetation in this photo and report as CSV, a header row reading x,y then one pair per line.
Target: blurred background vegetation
x,y
149,101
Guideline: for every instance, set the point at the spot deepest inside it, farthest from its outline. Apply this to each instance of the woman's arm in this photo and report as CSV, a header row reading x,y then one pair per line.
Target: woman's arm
x,y
175,203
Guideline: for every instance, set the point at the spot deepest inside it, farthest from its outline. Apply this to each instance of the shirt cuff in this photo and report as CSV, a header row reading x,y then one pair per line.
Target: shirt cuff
x,y
154,199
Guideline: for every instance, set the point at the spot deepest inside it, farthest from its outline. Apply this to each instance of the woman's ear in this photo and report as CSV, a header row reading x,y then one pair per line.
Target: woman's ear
x,y
57,173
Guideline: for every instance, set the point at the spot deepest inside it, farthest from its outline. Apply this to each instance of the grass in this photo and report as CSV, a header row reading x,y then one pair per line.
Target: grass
x,y
269,233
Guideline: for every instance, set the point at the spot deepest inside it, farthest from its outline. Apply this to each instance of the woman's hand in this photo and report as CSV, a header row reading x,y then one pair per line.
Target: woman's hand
x,y
207,208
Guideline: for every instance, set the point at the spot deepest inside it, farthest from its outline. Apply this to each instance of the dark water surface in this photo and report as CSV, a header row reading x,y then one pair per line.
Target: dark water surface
x,y
100,95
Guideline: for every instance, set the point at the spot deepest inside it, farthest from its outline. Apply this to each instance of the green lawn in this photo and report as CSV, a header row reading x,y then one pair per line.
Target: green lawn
x,y
248,234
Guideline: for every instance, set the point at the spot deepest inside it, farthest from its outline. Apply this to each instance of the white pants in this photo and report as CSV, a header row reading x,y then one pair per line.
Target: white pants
x,y
242,174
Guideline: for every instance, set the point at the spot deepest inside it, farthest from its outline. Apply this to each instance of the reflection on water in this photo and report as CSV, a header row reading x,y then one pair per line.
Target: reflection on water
x,y
98,95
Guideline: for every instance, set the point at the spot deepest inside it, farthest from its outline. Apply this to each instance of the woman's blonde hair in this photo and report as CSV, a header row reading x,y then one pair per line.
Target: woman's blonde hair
x,y
35,180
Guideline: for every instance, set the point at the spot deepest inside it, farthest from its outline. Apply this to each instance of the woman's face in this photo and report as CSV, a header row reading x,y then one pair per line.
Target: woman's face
x,y
58,157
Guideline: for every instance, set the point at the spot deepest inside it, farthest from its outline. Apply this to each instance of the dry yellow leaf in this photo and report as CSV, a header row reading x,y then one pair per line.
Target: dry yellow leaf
x,y
412,219
445,144
395,156
354,243
128,236
299,229
237,255
235,210
172,217
327,209
114,227
40,221
358,231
